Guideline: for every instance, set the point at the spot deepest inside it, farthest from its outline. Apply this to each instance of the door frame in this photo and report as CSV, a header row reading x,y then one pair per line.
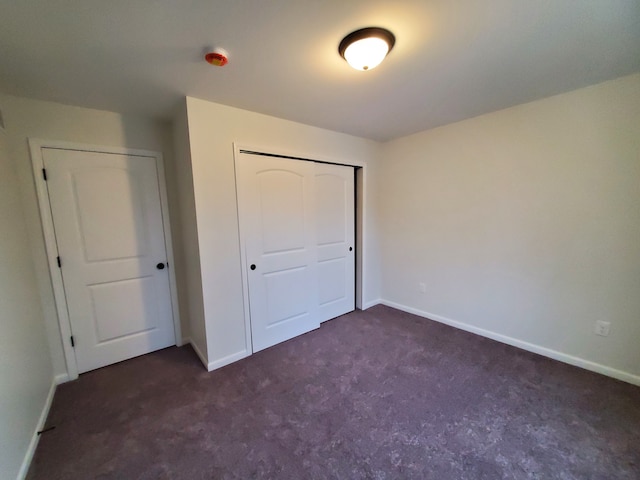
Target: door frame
x,y
46,219
361,217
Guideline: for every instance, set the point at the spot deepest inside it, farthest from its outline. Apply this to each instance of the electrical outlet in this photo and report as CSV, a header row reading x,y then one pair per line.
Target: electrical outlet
x,y
422,287
602,328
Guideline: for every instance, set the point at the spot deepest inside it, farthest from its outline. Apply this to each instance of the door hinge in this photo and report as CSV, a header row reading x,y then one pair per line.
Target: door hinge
x,y
44,174
59,262
73,342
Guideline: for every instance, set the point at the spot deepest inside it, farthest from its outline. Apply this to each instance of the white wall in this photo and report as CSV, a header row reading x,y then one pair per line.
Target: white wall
x,y
186,238
26,376
26,118
212,130
524,224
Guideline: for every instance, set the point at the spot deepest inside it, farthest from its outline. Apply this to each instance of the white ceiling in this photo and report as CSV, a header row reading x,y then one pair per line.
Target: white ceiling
x,y
453,59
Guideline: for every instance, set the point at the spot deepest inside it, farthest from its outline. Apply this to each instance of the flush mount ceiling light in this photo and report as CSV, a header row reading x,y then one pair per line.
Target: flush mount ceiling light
x,y
365,49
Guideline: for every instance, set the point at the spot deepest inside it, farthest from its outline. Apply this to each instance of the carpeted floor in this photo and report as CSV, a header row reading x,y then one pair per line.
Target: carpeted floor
x,y
378,394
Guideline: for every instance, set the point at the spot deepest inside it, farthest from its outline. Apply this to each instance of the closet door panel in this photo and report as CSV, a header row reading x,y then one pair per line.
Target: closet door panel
x,y
276,206
335,227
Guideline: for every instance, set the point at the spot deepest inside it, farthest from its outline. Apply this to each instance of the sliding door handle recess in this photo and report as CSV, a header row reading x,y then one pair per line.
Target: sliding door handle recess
x,y
253,266
350,248
160,266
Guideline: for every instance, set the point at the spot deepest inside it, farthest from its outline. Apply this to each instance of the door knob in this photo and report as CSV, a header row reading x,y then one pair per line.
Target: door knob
x,y
160,266
253,266
350,248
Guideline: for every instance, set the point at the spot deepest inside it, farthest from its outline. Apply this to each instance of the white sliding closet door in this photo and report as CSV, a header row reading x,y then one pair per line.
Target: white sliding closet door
x,y
297,230
276,205
335,237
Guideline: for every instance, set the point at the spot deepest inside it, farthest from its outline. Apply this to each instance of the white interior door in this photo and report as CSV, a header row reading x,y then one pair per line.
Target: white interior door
x,y
276,203
297,227
108,225
335,239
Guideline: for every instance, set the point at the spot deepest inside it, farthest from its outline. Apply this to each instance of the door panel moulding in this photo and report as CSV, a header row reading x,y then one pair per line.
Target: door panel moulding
x,y
35,147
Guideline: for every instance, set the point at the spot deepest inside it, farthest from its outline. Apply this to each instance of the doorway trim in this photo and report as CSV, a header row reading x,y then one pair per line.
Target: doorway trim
x,y
361,217
46,219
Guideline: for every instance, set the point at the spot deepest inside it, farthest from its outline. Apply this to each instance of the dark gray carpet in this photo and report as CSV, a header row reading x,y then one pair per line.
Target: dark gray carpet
x,y
377,394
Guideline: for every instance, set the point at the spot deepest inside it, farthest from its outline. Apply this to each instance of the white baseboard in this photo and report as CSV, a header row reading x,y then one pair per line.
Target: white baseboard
x,y
371,303
547,352
221,362
201,356
31,449
61,378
